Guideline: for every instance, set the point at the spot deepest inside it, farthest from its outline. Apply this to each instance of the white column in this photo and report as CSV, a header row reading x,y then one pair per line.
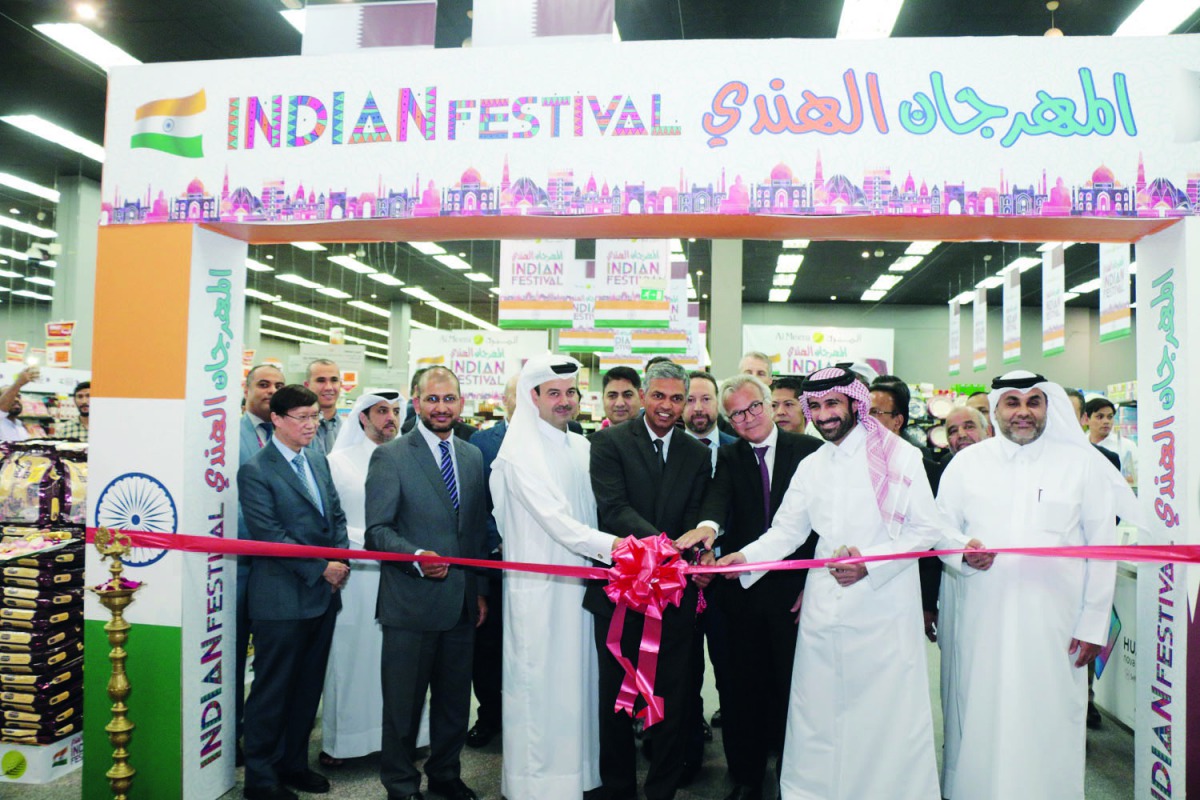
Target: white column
x,y
725,311
399,327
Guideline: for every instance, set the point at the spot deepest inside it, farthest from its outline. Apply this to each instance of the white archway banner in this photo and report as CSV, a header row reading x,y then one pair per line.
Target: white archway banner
x,y
895,127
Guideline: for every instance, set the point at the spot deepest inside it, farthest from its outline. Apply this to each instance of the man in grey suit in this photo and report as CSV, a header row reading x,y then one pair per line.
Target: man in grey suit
x,y
288,497
426,496
254,431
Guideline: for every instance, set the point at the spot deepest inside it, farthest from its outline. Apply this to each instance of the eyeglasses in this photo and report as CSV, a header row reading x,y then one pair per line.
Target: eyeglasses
x,y
755,409
306,419
446,399
878,412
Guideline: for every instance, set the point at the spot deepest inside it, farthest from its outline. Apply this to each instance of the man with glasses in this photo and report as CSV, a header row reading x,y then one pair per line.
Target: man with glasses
x,y
753,475
425,496
859,719
287,497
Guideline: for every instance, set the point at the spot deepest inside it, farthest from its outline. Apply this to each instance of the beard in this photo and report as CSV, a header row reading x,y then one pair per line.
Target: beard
x,y
845,425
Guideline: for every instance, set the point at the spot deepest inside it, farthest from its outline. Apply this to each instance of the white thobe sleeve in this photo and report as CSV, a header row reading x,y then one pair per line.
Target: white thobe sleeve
x,y
551,513
1098,520
952,504
923,527
789,529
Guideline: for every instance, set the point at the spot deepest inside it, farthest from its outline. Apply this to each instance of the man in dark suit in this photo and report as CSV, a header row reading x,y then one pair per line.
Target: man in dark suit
x,y
254,431
425,496
287,496
647,478
739,505
461,429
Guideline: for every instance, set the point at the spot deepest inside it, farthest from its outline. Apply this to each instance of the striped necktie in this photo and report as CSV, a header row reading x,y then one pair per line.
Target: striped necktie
x,y
448,473
298,464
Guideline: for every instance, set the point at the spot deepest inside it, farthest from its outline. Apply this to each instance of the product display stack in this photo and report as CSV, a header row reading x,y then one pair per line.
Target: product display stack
x,y
43,494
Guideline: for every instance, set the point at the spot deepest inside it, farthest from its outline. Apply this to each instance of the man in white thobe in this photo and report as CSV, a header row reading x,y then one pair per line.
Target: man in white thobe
x,y
1026,630
352,710
859,718
547,515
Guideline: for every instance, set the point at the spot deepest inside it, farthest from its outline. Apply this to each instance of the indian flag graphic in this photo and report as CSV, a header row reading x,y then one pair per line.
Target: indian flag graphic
x,y
586,341
170,126
659,341
536,313
633,314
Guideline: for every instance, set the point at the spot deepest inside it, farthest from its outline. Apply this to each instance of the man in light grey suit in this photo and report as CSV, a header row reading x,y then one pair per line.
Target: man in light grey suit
x,y
426,495
287,497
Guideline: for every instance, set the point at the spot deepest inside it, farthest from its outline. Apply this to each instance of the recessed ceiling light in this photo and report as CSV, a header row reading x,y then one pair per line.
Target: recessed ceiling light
x,y
784,279
866,253
257,266
966,298
703,297
5,273
1157,17
13,182
906,263
1024,263
1051,245
920,248
779,295
886,282
478,277
255,293
269,257
496,290
310,247
699,273
353,264
418,293
87,43
33,295
868,19
25,227
39,280
446,308
795,244
833,297
290,336
789,262
873,295
386,279
31,123
14,211
288,277
990,282
676,247
421,326
691,238
427,248
295,18
1066,296
371,308
1083,288
17,254
453,262
374,296
462,255
85,11
329,291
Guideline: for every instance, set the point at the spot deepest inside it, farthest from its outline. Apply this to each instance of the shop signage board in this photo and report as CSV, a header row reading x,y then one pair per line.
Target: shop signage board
x,y
801,349
482,360
1114,291
979,330
907,127
1012,315
1167,728
1054,308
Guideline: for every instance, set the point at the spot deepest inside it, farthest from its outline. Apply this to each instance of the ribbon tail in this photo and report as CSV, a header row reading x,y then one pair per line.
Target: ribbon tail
x,y
647,667
627,693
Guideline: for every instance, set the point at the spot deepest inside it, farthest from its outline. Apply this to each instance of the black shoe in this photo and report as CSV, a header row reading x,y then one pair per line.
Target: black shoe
x,y
716,718
306,781
744,793
1094,720
481,735
705,731
452,789
276,792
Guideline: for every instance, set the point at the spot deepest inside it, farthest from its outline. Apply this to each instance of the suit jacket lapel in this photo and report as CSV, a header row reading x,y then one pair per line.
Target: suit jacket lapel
x,y
785,456
284,467
645,447
676,455
432,470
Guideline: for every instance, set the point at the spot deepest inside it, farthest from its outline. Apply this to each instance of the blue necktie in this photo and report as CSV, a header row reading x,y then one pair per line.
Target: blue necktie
x,y
298,464
448,473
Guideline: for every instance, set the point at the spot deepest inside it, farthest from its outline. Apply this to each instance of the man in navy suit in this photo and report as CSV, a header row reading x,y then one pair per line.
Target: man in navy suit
x,y
288,497
262,382
739,505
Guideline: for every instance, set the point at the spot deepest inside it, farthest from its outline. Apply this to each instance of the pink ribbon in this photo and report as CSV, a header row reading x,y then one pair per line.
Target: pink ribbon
x,y
646,575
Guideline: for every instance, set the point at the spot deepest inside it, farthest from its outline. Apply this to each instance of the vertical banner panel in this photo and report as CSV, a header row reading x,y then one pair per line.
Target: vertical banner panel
x,y
979,330
540,282
1054,312
1012,316
955,336
1114,291
1166,738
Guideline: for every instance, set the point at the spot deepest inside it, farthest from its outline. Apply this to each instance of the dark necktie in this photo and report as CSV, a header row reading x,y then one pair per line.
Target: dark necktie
x,y
707,442
658,449
264,436
448,473
761,454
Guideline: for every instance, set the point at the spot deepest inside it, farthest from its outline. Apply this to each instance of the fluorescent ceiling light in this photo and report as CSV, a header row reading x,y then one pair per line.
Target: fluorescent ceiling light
x,y
795,244
868,19
453,262
22,185
296,279
290,336
905,263
33,295
478,277
789,263
496,290
781,279
295,18
31,123
310,247
300,326
921,248
383,312
421,326
676,247
990,282
85,42
966,298
19,256
25,227
258,266
1024,263
1051,245
49,263
873,295
427,249
691,293
1133,268
386,279
40,280
419,293
1066,296
352,264
312,312
1083,288
255,293
886,282
4,273
779,295
336,293
376,356
1157,17
463,315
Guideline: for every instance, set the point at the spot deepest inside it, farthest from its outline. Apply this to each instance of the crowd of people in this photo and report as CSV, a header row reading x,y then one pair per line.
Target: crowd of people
x,y
824,668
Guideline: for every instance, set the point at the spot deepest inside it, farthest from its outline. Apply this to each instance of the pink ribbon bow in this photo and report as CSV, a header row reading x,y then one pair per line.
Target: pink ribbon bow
x,y
646,575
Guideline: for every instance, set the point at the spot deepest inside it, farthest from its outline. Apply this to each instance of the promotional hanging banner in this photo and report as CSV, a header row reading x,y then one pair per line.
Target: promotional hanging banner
x,y
803,349
1115,317
955,336
1012,315
483,361
1054,311
540,282
979,330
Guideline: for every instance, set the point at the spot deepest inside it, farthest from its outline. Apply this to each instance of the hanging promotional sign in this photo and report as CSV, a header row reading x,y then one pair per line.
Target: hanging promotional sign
x,y
58,344
483,361
955,337
540,283
796,128
1114,291
801,349
1012,315
14,351
979,330
631,283
1054,310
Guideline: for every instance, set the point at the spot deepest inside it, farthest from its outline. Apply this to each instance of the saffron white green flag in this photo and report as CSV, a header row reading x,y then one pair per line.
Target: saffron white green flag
x,y
171,126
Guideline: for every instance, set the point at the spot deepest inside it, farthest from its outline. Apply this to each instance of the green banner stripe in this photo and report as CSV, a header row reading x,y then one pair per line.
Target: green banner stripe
x,y
663,350
586,348
154,665
186,146
1053,351
1013,360
639,324
1111,335
539,324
